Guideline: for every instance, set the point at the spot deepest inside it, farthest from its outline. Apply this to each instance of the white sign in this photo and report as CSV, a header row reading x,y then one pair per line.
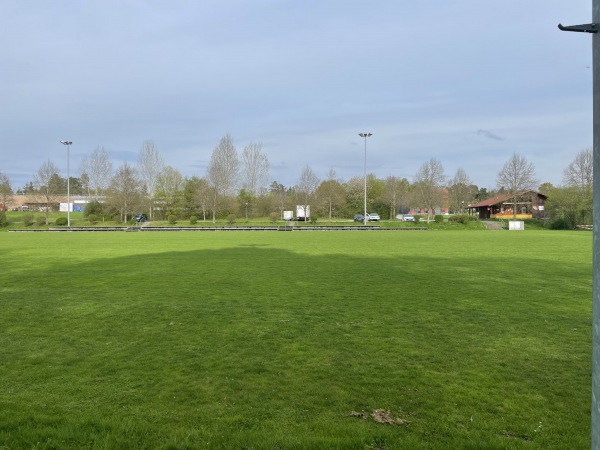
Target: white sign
x,y
516,225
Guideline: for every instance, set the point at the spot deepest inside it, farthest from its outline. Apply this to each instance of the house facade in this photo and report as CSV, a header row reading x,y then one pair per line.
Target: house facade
x,y
529,205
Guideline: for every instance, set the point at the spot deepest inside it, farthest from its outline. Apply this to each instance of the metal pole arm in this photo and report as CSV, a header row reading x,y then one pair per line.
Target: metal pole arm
x,y
587,28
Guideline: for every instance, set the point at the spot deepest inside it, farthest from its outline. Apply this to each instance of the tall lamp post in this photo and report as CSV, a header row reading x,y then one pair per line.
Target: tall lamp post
x,y
68,144
593,29
365,135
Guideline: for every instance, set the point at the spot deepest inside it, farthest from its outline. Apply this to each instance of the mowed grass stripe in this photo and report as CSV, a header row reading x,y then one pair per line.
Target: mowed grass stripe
x,y
273,340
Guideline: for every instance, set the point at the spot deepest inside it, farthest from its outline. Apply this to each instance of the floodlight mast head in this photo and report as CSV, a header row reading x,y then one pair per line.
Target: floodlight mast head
x,y
66,142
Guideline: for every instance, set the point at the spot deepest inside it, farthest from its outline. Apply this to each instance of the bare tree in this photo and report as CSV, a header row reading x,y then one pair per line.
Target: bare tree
x,y
222,173
459,190
96,171
580,172
202,196
125,191
169,188
6,191
150,166
306,187
395,193
429,183
45,183
279,193
517,175
255,170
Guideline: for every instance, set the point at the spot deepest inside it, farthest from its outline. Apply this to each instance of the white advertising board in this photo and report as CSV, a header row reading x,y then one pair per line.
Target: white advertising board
x,y
516,225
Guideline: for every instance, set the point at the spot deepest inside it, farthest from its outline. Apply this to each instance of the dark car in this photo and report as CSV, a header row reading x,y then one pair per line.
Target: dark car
x,y
140,217
359,218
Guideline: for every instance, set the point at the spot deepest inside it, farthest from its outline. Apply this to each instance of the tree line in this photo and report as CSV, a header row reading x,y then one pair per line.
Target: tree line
x,y
238,183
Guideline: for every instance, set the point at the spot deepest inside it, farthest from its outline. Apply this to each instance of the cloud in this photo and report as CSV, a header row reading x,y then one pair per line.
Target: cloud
x,y
489,135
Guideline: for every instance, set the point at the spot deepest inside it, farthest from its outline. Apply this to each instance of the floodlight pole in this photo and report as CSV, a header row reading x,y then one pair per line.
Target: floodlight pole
x,y
68,144
365,135
593,29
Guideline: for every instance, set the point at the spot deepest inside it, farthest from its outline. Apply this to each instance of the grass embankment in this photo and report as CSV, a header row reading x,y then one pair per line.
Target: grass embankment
x,y
295,340
77,220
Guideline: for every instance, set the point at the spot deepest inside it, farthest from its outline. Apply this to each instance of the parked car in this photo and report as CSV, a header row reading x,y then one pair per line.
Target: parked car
x,y
140,217
359,218
408,218
373,217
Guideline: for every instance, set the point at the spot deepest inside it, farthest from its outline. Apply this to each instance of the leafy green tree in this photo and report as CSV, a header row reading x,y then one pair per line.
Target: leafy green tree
x,y
354,188
94,208
168,190
331,195
6,192
48,184
579,175
245,202
280,196
564,204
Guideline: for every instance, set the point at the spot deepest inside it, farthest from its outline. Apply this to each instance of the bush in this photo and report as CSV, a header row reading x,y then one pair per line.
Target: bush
x,y
438,218
3,219
62,221
313,219
40,220
459,218
92,218
231,219
93,208
172,219
274,217
561,223
417,218
193,220
28,219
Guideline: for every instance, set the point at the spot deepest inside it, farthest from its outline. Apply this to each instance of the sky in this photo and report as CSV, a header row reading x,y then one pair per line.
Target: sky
x,y
467,82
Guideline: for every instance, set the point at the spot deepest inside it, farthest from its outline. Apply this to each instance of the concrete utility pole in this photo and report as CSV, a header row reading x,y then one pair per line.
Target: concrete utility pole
x,y
593,28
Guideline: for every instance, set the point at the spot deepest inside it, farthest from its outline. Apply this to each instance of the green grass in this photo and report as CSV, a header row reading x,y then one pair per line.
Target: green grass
x,y
291,340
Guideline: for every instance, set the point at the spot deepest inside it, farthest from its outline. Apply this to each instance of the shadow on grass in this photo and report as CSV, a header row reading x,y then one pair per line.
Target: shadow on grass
x,y
254,346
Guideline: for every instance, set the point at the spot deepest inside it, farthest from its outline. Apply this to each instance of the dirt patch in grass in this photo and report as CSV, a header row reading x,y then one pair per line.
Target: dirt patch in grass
x,y
511,435
380,416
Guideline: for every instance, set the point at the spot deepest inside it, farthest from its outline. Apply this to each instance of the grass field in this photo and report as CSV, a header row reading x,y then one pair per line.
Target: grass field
x,y
295,340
